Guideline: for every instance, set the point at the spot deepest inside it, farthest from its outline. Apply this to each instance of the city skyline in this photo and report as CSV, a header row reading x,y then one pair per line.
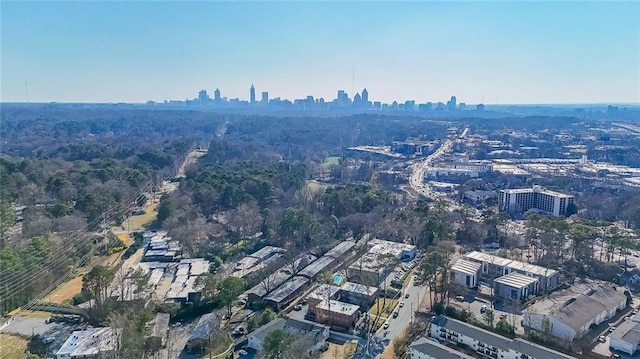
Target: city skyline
x,y
493,53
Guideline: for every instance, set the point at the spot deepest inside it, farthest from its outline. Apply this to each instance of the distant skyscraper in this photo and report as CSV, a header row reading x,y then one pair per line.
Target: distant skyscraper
x,y
357,100
480,107
340,95
203,96
365,95
462,105
216,95
265,97
451,105
252,94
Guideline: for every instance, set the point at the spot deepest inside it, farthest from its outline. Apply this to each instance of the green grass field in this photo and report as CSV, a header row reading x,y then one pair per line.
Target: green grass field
x,y
330,161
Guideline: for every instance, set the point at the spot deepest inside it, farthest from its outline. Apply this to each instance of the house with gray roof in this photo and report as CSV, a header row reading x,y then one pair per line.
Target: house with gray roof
x,y
626,337
571,312
286,292
298,328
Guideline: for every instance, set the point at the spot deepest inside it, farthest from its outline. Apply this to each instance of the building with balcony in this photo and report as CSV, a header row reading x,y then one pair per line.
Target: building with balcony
x,y
487,344
536,198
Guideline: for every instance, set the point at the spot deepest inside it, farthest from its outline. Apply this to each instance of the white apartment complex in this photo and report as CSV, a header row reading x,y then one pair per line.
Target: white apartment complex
x,y
536,198
486,343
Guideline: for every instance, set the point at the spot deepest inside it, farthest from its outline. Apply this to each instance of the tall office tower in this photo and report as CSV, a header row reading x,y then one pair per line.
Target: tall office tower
x,y
203,96
265,97
451,105
357,100
216,95
536,198
365,96
252,94
340,95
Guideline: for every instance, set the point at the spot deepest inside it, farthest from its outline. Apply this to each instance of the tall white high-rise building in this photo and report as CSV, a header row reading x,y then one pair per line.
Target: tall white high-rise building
x,y
538,198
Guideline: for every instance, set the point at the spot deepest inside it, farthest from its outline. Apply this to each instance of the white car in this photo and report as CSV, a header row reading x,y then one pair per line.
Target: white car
x,y
401,304
386,325
242,352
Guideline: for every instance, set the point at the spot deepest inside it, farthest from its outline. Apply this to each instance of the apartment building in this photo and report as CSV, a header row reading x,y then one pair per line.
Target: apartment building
x,y
488,344
536,198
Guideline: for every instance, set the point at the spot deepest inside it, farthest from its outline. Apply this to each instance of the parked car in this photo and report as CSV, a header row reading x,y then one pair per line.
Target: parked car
x,y
406,295
460,298
395,314
303,301
611,329
483,309
386,325
616,356
602,339
635,311
242,352
297,308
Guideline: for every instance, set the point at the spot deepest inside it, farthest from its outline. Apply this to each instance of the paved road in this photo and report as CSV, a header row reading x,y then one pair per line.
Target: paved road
x,y
405,314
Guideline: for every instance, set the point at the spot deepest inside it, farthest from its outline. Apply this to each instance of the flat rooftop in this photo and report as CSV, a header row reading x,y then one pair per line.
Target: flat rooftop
x,y
89,342
266,252
358,288
317,266
286,289
335,306
340,249
324,291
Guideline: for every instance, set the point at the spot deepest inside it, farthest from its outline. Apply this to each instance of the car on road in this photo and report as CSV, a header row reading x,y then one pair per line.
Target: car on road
x,y
602,339
401,304
386,325
483,308
243,352
611,329
460,298
395,314
635,311
406,295
297,308
616,356
627,318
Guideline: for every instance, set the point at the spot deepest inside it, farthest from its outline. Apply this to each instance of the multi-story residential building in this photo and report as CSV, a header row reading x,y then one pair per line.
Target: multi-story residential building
x,y
536,198
492,267
429,348
488,344
570,313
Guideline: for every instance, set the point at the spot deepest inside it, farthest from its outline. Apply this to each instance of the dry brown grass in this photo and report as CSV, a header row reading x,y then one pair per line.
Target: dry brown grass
x,y
33,314
65,291
12,347
337,351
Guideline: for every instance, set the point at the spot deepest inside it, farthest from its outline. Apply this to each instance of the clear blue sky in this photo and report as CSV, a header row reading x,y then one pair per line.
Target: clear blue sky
x,y
502,52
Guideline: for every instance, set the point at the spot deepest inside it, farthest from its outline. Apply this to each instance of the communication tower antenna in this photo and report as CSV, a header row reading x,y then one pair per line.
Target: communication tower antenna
x,y
26,88
353,81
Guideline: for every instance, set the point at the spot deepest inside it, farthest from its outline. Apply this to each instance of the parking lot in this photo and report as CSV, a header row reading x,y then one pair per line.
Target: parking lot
x,y
474,306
